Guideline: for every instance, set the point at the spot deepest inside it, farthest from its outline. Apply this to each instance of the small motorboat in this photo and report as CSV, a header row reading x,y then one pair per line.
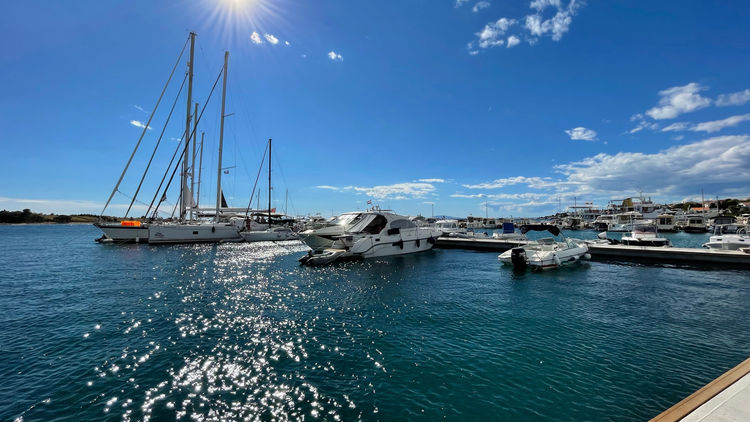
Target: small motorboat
x,y
728,242
546,253
644,235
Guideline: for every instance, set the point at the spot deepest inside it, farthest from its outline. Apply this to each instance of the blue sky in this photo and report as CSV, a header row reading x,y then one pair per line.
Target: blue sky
x,y
520,107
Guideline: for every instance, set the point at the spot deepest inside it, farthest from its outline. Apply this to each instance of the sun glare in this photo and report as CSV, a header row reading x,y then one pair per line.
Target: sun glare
x,y
232,20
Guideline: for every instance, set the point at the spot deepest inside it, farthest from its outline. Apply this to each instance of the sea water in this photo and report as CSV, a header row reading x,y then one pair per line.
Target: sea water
x,y
240,331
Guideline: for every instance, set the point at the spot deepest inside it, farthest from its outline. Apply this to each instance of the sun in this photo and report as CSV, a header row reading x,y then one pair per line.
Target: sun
x,y
233,20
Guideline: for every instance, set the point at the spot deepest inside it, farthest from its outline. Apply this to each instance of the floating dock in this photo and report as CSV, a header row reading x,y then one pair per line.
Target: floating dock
x,y
726,398
605,252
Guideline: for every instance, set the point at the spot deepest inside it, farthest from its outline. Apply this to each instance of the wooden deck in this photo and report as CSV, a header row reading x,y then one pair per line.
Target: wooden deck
x,y
726,398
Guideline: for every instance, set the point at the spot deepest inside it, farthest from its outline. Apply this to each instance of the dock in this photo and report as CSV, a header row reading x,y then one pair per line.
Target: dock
x,y
605,252
726,398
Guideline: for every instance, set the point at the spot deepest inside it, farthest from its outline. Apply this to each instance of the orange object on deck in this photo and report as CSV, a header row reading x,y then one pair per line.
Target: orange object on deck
x,y
130,223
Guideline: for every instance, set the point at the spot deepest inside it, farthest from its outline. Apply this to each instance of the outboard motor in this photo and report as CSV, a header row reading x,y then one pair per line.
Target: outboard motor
x,y
518,258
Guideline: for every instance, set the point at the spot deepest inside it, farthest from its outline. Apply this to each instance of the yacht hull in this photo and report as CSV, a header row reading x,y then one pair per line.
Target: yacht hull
x,y
192,233
123,234
268,236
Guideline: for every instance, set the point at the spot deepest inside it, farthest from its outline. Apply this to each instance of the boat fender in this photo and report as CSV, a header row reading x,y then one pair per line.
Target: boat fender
x,y
556,259
417,242
400,244
431,240
213,229
587,256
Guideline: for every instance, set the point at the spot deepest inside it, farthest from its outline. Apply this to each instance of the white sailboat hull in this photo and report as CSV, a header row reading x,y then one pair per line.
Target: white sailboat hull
x,y
193,233
124,234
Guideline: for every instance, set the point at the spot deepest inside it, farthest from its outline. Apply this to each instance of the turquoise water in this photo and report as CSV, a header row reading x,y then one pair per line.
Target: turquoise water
x,y
209,332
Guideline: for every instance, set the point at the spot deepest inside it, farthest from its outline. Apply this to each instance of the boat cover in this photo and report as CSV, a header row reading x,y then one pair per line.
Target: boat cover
x,y
540,228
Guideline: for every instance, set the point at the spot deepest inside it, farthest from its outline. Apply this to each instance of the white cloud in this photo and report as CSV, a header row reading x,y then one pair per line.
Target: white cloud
x,y
540,5
394,191
678,100
492,33
473,52
432,180
733,99
524,195
723,161
335,56
287,43
460,3
717,125
535,25
255,38
139,124
480,5
271,39
139,108
676,127
532,182
580,133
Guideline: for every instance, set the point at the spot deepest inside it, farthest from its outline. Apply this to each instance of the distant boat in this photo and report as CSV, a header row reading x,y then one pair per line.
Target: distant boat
x,y
644,235
730,242
376,234
271,233
545,253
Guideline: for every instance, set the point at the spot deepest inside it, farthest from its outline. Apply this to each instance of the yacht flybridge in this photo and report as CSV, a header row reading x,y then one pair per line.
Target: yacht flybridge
x,y
376,234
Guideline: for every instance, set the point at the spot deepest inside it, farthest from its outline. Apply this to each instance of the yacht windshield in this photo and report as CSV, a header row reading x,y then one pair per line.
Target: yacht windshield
x,y
370,224
344,219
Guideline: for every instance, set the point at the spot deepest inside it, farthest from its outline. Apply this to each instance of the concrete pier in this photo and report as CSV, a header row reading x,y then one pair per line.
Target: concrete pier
x,y
726,398
604,252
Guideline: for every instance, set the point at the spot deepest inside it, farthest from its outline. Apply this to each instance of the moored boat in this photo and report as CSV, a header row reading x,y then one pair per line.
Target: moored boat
x,y
545,253
644,235
376,234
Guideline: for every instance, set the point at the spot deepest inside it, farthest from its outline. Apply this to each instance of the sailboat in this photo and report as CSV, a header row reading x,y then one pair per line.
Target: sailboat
x,y
271,233
187,231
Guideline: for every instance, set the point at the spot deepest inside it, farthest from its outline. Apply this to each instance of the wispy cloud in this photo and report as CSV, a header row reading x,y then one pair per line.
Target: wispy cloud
x,y
580,133
717,125
139,108
395,191
460,3
676,127
255,38
480,5
678,100
335,56
533,26
532,182
432,180
139,124
733,99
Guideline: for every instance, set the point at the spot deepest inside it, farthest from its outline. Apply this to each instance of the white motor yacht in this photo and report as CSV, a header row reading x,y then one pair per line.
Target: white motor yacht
x,y
644,235
448,227
728,242
509,233
376,234
323,237
545,253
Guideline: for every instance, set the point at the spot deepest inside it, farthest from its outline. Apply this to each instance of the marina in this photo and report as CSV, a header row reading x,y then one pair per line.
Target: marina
x,y
252,210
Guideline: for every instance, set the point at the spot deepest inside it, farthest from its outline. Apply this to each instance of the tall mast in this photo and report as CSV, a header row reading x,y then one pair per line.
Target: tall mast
x,y
269,183
221,136
183,177
192,165
200,171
